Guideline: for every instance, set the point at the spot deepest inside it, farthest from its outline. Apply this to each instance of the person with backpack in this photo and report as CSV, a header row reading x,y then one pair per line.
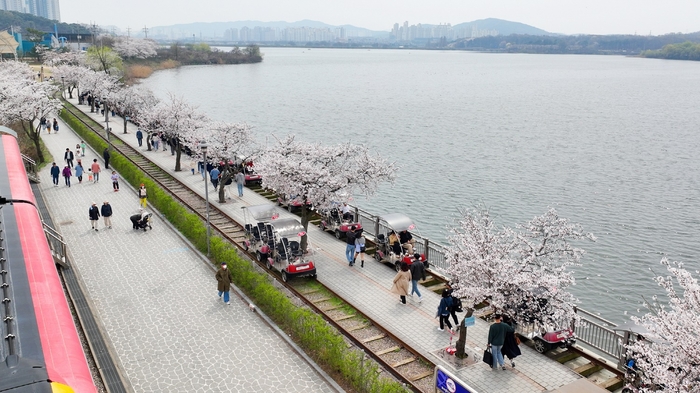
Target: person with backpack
x,y
417,273
456,304
444,310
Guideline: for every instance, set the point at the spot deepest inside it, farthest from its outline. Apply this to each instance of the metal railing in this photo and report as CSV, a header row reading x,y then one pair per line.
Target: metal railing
x,y
598,333
56,245
30,168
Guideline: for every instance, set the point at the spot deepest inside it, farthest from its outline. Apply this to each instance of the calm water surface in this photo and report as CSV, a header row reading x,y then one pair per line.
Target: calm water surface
x,y
611,142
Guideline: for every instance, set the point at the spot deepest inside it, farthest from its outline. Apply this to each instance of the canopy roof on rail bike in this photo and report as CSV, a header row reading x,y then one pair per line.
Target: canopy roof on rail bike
x,y
398,222
288,227
265,212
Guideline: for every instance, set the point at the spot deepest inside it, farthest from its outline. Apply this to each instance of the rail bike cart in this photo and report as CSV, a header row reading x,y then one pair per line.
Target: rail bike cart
x,y
257,218
631,332
332,220
281,250
545,335
394,254
291,202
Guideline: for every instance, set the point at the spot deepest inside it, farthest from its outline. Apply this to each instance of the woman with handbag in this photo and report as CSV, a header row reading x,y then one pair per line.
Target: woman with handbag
x,y
510,346
401,281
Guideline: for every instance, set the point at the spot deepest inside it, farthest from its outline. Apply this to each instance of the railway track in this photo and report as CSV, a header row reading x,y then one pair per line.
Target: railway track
x,y
396,357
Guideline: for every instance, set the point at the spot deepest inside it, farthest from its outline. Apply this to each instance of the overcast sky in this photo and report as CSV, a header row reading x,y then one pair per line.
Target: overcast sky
x,y
558,16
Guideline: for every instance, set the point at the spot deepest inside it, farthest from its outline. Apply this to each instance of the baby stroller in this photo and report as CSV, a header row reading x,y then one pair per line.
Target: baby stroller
x,y
141,221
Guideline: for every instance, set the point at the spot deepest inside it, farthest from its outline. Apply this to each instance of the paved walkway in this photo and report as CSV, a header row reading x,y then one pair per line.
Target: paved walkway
x,y
157,302
368,289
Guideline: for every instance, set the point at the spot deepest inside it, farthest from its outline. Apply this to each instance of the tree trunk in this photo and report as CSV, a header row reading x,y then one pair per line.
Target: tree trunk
x,y
70,92
35,136
305,224
149,137
178,150
224,177
462,342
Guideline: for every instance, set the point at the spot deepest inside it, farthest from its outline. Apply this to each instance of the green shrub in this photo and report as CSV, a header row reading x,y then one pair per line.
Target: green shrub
x,y
321,342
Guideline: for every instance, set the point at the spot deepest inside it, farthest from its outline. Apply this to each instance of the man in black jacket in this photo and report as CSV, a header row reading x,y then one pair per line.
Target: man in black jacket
x,y
105,155
68,156
350,248
417,272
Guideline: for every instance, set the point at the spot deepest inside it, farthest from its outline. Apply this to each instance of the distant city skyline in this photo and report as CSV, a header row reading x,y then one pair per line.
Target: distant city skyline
x,y
567,17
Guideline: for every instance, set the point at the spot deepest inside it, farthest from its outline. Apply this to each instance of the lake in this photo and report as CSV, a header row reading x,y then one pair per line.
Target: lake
x,y
611,142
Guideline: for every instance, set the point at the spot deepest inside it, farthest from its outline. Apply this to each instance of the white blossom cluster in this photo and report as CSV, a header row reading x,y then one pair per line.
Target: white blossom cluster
x,y
668,358
129,47
524,272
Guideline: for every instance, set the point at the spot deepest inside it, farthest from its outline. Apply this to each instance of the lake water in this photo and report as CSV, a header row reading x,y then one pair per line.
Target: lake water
x,y
610,142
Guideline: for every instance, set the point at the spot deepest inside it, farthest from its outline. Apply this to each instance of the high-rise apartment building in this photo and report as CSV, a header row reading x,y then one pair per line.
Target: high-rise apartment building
x,y
48,9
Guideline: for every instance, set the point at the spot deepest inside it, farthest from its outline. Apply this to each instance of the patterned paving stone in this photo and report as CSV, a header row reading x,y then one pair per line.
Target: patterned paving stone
x,y
157,300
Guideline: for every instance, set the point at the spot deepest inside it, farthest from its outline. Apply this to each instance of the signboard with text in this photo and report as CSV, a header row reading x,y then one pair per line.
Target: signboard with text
x,y
446,382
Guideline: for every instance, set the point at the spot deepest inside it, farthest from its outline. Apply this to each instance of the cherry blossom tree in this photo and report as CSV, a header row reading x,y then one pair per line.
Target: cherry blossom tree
x,y
669,355
71,75
322,175
128,47
26,101
103,58
225,141
524,272
132,100
176,119
100,85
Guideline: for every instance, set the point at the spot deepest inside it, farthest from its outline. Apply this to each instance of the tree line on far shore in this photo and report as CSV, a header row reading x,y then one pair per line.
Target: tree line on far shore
x,y
685,51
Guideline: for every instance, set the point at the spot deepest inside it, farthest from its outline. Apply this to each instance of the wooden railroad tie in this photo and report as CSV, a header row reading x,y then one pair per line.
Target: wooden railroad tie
x,y
588,369
421,376
344,317
323,299
373,338
403,362
331,308
387,350
360,327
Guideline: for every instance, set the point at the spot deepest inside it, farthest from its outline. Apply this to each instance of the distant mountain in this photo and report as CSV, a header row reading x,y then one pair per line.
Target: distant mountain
x,y
503,27
10,19
217,29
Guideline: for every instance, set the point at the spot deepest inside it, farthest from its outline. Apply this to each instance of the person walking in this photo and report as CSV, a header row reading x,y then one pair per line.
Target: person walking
x,y
155,141
106,211
143,196
83,146
55,126
444,310
105,155
510,349
240,182
360,247
401,280
223,277
68,157
55,171
94,214
77,149
67,174
95,168
115,181
497,337
417,272
214,175
350,248
139,136
79,172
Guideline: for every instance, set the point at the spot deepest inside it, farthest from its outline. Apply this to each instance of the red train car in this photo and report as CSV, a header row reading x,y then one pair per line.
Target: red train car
x,y
40,350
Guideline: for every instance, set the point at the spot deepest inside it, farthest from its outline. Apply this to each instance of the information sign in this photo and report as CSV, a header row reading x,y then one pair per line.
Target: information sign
x,y
446,382
470,321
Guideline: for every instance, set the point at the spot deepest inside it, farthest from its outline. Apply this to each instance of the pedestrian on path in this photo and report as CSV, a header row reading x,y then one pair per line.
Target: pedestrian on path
x,y
223,277
444,310
79,172
94,214
401,280
417,272
55,125
510,345
360,247
240,182
143,196
105,155
95,168
67,174
453,311
214,175
155,140
497,337
139,137
77,149
115,181
83,146
107,214
55,171
68,157
350,248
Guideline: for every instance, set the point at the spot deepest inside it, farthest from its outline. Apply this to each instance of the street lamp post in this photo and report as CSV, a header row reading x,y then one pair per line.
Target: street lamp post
x,y
63,82
104,104
204,146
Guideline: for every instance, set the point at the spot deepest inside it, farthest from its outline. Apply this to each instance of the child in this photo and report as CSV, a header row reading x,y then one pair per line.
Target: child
x,y
115,181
